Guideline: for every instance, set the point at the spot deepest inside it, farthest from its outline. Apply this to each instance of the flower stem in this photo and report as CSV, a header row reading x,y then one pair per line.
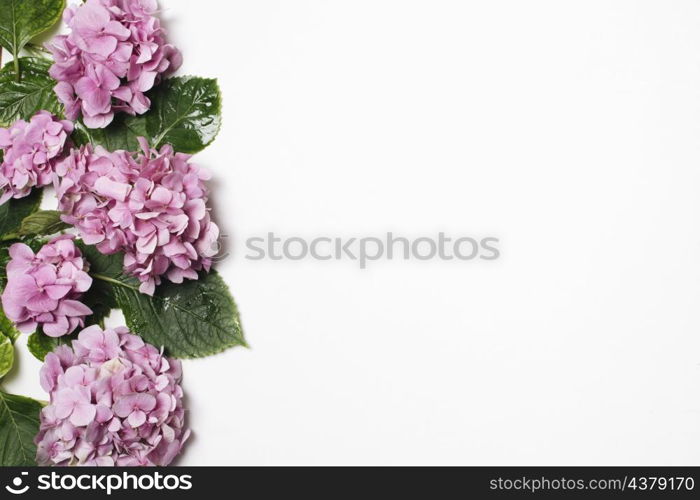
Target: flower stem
x,y
113,281
15,61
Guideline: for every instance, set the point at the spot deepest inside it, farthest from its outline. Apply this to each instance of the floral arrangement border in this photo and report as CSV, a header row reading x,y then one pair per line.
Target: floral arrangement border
x,y
190,319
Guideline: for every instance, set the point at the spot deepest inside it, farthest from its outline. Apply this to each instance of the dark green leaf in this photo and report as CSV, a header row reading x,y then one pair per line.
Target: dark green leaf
x,y
108,265
14,211
191,320
4,259
121,133
19,423
185,112
22,20
100,298
44,222
79,136
35,92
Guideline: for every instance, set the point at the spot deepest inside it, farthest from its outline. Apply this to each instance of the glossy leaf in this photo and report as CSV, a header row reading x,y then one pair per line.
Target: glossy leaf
x,y
34,92
19,423
185,112
193,319
22,20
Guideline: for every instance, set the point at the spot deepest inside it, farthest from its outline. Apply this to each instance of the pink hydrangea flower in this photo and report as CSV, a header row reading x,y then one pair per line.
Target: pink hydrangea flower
x,y
114,53
30,150
114,400
150,205
45,289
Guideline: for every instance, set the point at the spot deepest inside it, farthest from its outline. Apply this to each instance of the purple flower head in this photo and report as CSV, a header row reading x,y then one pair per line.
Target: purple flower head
x,y
114,53
30,151
150,205
45,288
114,400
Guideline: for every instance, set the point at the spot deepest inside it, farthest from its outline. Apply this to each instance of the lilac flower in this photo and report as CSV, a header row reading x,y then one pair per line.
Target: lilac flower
x,y
44,289
151,206
114,53
114,400
30,150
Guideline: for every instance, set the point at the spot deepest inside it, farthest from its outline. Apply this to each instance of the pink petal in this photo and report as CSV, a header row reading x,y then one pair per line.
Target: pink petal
x,y
57,292
40,302
116,190
57,328
83,414
117,29
74,308
137,419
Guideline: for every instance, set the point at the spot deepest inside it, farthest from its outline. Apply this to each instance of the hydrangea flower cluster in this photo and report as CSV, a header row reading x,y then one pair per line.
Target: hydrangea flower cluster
x,y
115,52
44,289
151,206
114,400
30,150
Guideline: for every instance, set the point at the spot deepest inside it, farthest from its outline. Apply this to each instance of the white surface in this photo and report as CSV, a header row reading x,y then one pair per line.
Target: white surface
x,y
569,129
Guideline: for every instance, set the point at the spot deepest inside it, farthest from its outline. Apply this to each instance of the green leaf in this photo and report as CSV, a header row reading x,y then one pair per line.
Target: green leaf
x,y
7,355
100,298
4,259
44,222
193,319
22,20
80,137
24,98
185,112
40,344
19,423
121,133
7,328
14,211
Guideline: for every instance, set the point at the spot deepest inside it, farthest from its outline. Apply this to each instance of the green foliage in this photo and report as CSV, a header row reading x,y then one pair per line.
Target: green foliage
x,y
22,99
22,20
185,112
193,319
7,355
14,211
42,223
40,344
19,423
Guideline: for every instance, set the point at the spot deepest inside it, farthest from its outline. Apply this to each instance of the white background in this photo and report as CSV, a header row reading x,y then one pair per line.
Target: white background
x,y
568,129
